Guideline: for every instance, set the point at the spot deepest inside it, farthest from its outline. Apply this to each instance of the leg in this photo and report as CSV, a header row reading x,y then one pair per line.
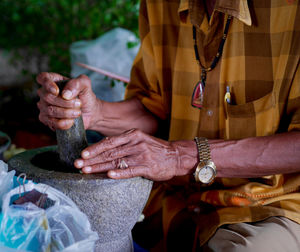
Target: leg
x,y
271,235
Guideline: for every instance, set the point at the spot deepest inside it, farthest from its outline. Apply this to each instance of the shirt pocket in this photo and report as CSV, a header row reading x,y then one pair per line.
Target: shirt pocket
x,y
255,118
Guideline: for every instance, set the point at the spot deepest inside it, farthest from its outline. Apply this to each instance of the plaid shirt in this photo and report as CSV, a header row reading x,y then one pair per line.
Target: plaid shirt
x,y
260,64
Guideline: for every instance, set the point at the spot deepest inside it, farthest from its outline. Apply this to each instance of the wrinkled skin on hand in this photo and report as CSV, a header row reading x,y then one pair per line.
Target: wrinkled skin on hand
x,y
58,111
145,156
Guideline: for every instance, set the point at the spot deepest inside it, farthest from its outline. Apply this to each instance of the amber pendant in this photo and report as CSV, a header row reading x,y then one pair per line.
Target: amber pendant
x,y
198,95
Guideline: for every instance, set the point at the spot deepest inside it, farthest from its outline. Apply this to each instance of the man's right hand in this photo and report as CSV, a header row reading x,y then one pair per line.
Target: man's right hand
x,y
58,111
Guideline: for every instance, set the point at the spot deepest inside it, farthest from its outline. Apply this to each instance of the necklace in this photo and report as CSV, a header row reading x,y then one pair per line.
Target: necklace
x,y
198,94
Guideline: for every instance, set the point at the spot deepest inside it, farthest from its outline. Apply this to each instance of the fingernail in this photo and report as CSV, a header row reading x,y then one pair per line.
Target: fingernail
x,y
53,90
77,104
65,123
67,94
76,113
79,163
113,173
85,154
87,169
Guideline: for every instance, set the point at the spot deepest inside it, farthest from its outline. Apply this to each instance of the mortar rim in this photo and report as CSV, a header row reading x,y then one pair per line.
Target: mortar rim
x,y
22,160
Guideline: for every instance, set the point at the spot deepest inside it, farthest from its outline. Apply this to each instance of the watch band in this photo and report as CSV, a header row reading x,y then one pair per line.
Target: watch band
x,y
204,160
203,149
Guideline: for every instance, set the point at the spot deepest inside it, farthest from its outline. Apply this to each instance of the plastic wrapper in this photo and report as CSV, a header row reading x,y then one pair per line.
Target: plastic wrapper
x,y
61,226
6,180
109,52
25,227
70,230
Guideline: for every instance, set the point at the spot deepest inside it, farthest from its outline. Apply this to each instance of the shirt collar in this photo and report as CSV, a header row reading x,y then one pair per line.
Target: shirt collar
x,y
236,8
183,10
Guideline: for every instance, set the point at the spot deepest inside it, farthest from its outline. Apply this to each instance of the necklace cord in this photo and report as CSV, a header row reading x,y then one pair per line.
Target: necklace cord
x,y
218,55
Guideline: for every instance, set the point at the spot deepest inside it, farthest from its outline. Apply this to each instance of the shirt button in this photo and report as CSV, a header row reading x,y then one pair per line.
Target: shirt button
x,y
197,210
210,112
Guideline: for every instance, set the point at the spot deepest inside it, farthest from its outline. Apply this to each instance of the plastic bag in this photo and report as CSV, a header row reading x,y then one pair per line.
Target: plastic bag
x,y
109,52
61,227
69,230
6,180
25,227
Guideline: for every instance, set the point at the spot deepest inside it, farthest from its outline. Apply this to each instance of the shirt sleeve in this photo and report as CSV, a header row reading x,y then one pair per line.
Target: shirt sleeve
x,y
143,80
293,106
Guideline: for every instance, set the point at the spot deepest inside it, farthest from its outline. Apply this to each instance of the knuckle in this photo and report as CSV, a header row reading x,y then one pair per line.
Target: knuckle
x,y
76,84
85,81
109,140
50,110
108,155
138,133
48,98
40,77
134,132
83,76
68,113
111,154
51,124
114,163
146,155
43,74
94,149
143,145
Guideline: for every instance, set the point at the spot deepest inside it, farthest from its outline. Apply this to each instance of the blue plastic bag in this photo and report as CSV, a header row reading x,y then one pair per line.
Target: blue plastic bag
x,y
25,227
6,180
60,227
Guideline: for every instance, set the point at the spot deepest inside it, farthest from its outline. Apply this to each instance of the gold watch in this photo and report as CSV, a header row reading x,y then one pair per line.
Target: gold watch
x,y
206,170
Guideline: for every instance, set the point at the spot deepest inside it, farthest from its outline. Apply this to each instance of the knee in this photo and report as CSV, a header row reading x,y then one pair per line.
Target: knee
x,y
226,241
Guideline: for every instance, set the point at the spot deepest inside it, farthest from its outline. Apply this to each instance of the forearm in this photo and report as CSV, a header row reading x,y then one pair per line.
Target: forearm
x,y
258,156
113,118
246,158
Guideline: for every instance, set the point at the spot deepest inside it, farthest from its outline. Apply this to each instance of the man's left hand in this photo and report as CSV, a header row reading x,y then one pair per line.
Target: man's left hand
x,y
131,154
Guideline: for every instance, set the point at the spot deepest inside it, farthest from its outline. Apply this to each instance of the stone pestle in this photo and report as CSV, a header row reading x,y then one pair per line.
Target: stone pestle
x,y
72,141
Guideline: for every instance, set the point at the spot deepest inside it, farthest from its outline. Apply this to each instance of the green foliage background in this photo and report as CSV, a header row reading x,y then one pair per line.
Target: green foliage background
x,y
48,27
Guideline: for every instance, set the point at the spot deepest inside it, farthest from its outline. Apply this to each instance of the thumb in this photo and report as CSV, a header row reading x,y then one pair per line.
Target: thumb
x,y
76,87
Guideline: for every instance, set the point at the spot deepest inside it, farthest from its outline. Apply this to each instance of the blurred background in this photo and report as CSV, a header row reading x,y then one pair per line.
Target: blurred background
x,y
50,35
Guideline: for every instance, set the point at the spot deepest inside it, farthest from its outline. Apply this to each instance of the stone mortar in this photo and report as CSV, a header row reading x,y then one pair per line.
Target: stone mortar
x,y
112,206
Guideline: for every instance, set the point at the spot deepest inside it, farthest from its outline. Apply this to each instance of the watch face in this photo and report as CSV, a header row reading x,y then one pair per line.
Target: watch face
x,y
206,174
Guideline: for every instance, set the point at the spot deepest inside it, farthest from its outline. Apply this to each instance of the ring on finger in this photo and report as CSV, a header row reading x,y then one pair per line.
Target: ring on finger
x,y
122,164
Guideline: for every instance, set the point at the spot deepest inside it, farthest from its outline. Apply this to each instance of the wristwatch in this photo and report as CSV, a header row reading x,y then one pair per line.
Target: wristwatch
x,y
206,170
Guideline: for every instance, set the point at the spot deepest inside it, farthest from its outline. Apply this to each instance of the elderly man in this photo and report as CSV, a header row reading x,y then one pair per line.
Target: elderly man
x,y
220,80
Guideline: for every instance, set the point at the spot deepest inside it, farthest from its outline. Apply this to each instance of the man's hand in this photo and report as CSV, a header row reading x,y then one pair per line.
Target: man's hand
x,y
59,110
132,154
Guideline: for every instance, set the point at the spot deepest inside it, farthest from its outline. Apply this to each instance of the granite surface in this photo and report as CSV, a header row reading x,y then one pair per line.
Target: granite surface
x,y
112,206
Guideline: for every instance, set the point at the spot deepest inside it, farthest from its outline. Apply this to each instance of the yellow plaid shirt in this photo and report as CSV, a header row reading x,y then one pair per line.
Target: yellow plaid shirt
x,y
260,64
